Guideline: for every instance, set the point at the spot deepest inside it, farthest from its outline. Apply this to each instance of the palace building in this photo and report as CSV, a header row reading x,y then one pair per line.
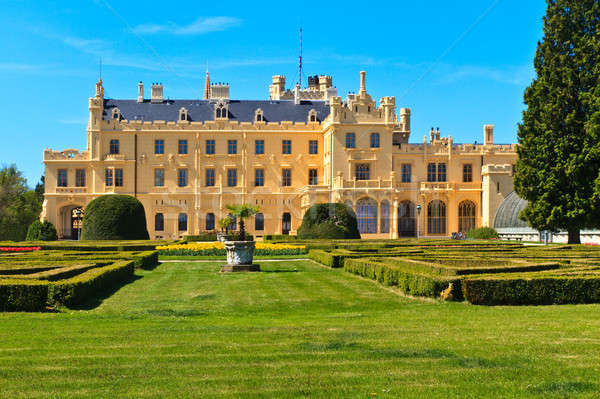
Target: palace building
x,y
185,160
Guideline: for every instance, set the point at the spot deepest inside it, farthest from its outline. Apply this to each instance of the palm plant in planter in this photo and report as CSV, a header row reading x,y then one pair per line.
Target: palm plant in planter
x,y
240,252
224,225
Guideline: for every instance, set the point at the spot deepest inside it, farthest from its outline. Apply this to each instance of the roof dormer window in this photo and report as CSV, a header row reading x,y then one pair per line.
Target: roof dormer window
x,y
221,110
259,116
312,115
116,114
183,114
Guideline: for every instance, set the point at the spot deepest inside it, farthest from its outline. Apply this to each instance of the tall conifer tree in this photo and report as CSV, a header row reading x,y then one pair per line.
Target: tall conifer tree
x,y
559,151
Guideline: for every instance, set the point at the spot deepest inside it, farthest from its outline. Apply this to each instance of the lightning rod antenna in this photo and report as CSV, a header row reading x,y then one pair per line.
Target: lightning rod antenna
x,y
300,61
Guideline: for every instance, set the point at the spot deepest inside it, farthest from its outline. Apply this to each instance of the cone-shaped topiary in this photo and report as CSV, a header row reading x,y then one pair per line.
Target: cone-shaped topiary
x,y
329,221
41,231
114,217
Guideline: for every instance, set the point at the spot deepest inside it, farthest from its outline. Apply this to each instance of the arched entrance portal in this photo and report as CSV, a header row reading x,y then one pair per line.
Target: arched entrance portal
x,y
286,223
406,219
70,218
76,223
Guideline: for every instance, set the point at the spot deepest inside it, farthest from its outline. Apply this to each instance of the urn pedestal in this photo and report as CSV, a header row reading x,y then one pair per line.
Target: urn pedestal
x,y
239,257
222,237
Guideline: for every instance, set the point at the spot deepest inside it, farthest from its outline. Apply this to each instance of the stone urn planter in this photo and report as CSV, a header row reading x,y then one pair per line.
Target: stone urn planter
x,y
239,257
222,237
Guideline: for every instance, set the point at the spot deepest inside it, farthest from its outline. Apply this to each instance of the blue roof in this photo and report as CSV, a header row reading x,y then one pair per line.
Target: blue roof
x,y
203,110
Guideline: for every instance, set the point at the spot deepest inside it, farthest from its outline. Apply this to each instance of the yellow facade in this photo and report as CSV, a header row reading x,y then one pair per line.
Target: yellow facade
x,y
362,158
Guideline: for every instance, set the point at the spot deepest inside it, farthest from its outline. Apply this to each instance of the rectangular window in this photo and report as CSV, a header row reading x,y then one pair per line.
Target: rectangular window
x,y
232,147
114,146
313,147
118,177
286,177
259,147
210,177
182,147
286,147
259,177
159,146
431,172
62,178
363,172
441,172
108,177
467,173
159,222
182,176
232,177
312,177
210,146
374,140
406,172
80,177
159,177
350,140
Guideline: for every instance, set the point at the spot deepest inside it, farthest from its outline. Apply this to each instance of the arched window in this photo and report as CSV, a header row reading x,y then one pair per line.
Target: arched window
x,y
436,217
312,115
182,222
210,221
384,223
183,114
259,116
221,110
406,219
159,222
350,140
259,221
374,140
116,114
466,216
366,216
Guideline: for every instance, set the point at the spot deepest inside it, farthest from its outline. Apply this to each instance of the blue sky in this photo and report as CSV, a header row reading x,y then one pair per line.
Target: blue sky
x,y
458,65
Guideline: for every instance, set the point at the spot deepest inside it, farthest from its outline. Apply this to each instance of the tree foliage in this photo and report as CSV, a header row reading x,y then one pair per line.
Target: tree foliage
x,y
114,217
19,206
41,231
241,212
559,151
329,221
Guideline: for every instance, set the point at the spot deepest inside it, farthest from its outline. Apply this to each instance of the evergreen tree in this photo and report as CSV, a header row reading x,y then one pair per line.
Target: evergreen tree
x,y
559,154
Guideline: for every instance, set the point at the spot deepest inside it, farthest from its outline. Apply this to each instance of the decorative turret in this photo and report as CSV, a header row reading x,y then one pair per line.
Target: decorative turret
x,y
99,89
140,92
363,90
157,93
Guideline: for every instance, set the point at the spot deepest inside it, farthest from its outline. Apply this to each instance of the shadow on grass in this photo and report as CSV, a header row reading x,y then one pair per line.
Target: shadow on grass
x,y
151,267
563,387
97,300
280,271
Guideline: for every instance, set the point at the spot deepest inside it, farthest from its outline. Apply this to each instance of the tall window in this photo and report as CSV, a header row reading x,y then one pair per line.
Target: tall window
x,y
441,177
108,177
312,177
232,177
182,177
431,169
259,177
259,221
467,173
159,222
374,140
362,171
286,147
232,147
210,147
406,219
259,147
436,217
159,177
210,177
366,216
182,147
62,178
384,223
210,221
466,216
313,147
159,146
118,177
350,140
79,177
406,172
286,177
182,222
114,146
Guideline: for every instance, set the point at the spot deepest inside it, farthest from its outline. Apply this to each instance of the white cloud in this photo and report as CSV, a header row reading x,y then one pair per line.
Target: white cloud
x,y
198,27
512,75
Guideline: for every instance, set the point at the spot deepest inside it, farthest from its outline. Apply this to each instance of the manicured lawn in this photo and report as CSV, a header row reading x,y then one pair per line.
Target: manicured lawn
x,y
295,330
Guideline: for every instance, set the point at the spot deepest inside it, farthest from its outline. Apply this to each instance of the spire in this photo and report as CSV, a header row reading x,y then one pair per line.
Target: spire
x,y
207,84
99,89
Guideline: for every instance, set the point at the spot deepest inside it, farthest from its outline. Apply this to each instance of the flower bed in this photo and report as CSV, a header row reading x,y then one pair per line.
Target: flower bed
x,y
19,249
218,249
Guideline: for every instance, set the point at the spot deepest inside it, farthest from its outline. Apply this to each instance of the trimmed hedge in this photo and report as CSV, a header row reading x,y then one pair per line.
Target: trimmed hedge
x,y
23,295
482,233
59,273
114,217
280,237
145,260
331,221
41,231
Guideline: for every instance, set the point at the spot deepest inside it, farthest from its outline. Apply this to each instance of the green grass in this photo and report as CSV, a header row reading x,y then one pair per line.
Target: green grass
x,y
296,329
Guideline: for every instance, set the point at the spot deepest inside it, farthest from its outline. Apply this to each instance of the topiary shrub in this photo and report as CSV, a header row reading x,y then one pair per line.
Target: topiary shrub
x,y
334,221
41,231
114,217
482,233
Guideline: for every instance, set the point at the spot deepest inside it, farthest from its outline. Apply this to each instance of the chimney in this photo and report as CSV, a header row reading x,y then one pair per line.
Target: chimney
x,y
140,92
488,134
157,93
363,90
405,119
277,87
